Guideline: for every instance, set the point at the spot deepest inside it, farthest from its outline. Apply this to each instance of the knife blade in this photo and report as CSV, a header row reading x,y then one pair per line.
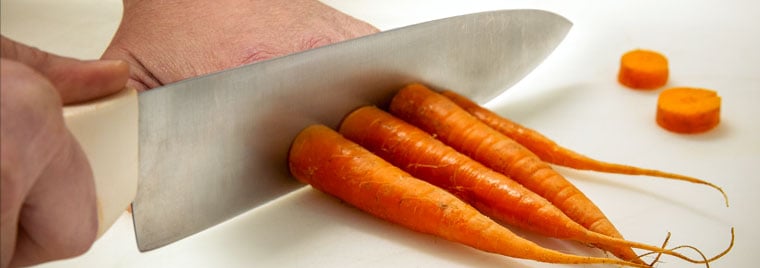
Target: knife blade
x,y
215,146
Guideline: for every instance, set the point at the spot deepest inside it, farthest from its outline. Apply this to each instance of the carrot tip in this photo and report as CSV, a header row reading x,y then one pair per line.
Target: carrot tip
x,y
704,260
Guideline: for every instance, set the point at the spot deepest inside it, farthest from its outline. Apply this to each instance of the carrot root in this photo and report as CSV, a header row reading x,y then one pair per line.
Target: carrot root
x,y
704,260
659,254
331,163
454,126
492,193
551,152
327,161
424,157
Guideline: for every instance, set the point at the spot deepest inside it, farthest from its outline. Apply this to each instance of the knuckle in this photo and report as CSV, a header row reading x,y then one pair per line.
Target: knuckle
x,y
23,53
317,41
258,53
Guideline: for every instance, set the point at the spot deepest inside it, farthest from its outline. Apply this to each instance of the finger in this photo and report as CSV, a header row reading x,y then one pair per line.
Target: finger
x,y
75,80
59,217
37,153
79,81
29,105
20,157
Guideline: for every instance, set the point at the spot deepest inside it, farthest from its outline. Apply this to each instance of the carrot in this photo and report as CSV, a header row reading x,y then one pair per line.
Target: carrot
x,y
328,162
492,193
551,152
643,69
451,124
688,110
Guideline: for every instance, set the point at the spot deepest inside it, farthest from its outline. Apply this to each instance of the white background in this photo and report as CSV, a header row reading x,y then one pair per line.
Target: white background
x,y
572,97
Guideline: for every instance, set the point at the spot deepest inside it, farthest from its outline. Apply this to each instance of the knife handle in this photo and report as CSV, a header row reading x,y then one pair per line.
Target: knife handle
x,y
106,129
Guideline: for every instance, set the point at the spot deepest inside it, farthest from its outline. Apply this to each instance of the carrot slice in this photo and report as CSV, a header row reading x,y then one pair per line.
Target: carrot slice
x,y
643,69
688,110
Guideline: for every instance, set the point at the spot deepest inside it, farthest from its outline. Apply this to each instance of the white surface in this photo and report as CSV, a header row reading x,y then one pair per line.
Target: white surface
x,y
573,98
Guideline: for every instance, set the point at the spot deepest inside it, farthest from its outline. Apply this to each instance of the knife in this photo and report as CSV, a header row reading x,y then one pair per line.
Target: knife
x,y
195,153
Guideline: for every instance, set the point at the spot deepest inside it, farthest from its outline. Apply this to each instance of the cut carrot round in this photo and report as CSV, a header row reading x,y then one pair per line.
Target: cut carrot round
x,y
688,110
643,69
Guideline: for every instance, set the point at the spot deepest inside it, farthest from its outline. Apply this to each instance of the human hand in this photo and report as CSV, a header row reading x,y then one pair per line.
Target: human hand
x,y
167,41
48,207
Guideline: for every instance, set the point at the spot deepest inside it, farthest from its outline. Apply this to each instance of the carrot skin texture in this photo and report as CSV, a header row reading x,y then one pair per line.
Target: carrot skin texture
x,y
553,153
427,158
324,159
495,195
442,118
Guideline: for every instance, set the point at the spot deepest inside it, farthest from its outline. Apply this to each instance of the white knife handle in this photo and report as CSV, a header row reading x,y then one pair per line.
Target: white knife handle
x,y
106,129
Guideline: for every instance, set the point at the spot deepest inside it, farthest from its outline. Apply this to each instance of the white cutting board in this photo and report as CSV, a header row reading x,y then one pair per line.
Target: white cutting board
x,y
572,97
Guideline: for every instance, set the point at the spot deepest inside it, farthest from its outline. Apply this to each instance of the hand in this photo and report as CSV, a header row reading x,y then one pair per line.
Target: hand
x,y
167,41
48,207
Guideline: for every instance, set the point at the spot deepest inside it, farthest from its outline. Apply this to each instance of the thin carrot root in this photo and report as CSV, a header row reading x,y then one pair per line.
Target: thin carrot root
x,y
659,254
662,250
455,127
492,193
724,252
704,260
701,254
553,153
327,161
643,69
688,110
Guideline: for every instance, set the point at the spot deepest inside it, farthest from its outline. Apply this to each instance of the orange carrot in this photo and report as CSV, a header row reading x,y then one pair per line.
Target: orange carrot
x,y
324,159
643,69
454,126
492,193
688,110
551,152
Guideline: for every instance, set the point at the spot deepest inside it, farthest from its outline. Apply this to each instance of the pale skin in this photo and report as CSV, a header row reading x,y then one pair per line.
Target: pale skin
x,y
48,196
176,41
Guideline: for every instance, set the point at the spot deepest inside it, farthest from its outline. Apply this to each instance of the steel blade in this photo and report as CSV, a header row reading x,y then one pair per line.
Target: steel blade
x,y
215,146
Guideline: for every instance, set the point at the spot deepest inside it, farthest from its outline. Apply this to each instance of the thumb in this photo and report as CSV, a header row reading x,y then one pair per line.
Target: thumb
x,y
75,80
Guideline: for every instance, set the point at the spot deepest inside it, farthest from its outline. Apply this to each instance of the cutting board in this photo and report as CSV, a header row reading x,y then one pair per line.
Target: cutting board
x,y
572,97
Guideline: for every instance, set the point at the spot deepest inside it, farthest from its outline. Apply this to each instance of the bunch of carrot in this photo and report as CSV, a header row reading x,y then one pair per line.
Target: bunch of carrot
x,y
434,166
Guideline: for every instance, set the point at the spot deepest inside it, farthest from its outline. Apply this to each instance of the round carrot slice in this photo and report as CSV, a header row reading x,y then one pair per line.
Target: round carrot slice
x,y
688,110
643,69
